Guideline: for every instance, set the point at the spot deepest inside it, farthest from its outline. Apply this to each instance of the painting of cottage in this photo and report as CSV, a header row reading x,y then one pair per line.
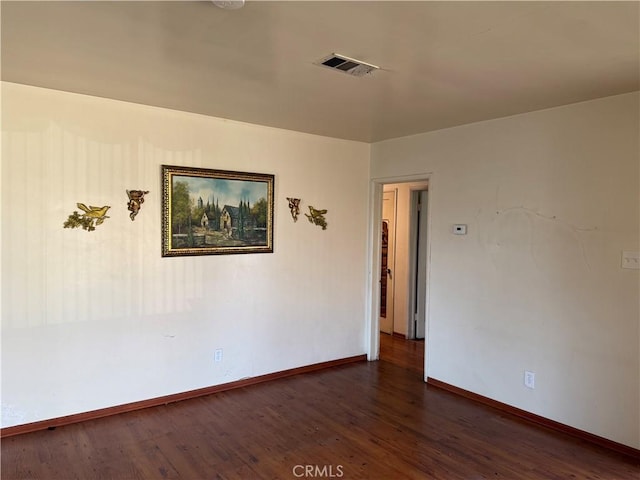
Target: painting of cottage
x,y
210,211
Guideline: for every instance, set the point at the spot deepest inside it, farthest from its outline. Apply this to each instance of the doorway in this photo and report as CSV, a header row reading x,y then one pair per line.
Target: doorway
x,y
387,261
400,291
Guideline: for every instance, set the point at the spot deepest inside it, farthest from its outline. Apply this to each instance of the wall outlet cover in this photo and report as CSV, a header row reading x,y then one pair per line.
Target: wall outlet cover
x,y
217,356
529,379
631,260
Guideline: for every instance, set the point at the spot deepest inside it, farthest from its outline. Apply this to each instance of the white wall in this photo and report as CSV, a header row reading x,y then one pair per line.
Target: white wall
x,y
92,320
551,199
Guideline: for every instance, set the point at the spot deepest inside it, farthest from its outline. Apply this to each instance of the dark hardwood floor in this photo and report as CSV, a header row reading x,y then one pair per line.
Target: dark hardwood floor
x,y
367,420
403,353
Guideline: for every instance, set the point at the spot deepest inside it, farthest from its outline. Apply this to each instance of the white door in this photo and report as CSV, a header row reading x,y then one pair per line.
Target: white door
x,y
387,261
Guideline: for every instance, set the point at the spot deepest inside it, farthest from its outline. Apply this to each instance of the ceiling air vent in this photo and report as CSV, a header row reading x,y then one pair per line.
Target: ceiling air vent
x,y
351,66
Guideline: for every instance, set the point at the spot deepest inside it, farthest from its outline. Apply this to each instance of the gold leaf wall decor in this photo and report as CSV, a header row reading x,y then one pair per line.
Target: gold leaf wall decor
x,y
136,199
294,206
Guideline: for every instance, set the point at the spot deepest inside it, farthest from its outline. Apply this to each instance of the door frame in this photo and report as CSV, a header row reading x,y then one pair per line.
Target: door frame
x,y
416,240
374,250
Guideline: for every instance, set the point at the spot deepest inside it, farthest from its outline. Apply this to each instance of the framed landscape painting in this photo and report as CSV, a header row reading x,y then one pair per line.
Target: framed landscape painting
x,y
213,212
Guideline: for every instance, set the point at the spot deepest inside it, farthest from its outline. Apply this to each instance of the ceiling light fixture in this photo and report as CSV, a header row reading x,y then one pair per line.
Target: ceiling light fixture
x,y
229,4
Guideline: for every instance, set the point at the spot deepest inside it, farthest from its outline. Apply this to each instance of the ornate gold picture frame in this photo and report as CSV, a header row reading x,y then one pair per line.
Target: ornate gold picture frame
x,y
214,212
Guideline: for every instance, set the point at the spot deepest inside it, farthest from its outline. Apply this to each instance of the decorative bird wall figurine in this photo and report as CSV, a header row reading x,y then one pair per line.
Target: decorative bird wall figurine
x,y
99,213
92,217
317,217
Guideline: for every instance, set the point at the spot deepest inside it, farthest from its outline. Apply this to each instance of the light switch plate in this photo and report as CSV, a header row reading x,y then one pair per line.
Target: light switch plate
x,y
631,260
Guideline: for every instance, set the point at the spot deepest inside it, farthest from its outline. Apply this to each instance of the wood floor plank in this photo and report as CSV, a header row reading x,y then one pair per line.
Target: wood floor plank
x,y
375,420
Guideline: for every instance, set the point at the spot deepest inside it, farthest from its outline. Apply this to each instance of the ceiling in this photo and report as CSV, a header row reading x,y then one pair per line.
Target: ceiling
x,y
441,63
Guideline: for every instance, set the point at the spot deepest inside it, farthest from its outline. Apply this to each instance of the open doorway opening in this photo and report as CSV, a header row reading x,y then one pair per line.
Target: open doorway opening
x,y
387,261
403,230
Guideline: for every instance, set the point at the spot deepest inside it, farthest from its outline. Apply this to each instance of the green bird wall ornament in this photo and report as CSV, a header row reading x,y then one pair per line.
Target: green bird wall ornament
x,y
317,217
92,217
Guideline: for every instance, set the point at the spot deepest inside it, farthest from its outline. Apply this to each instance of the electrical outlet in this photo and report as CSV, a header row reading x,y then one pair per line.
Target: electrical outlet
x,y
217,356
529,379
631,260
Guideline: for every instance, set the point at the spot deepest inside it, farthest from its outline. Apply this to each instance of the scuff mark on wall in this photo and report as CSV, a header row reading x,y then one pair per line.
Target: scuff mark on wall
x,y
547,217
543,236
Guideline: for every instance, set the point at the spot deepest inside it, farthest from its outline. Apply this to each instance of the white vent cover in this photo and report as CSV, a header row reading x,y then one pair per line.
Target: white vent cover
x,y
351,66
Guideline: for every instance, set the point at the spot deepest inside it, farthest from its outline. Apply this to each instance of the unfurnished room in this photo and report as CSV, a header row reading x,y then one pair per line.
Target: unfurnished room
x,y
247,239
